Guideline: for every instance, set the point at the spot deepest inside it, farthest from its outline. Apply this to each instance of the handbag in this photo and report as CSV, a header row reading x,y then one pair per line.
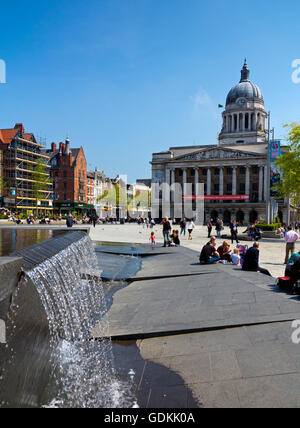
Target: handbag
x,y
285,283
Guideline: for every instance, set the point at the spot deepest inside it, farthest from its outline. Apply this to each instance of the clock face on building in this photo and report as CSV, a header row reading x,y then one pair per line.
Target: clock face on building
x,y
241,102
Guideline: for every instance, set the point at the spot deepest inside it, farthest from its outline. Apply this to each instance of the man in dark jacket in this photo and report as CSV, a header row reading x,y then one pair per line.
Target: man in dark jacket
x,y
234,232
69,221
251,262
166,231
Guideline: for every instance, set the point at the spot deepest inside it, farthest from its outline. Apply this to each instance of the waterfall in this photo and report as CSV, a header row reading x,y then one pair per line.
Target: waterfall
x,y
72,295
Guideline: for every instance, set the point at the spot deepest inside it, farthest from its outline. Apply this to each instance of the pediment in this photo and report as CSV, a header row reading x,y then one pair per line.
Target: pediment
x,y
218,153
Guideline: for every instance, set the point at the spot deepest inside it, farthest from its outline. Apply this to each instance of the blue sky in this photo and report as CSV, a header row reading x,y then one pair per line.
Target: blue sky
x,y
126,78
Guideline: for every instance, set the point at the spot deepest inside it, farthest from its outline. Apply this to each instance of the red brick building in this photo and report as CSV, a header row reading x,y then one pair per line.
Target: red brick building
x,y
69,175
22,188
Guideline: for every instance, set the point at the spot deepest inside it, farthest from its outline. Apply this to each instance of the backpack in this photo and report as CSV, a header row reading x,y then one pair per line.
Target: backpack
x,y
285,284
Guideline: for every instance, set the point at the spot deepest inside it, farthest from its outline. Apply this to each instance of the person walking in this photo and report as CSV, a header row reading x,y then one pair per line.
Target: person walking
x,y
209,227
290,238
183,226
166,231
234,232
94,220
70,221
190,227
218,228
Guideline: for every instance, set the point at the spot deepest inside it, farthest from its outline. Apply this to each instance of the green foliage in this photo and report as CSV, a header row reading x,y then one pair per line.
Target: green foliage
x,y
3,185
289,164
42,180
268,227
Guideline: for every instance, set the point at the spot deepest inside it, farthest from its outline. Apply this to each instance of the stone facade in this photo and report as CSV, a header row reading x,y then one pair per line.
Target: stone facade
x,y
233,169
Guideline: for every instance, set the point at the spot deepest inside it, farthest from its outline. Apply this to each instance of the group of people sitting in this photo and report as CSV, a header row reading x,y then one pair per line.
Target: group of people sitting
x,y
210,254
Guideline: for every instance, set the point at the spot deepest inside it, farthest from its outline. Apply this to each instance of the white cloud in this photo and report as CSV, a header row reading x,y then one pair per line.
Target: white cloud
x,y
201,99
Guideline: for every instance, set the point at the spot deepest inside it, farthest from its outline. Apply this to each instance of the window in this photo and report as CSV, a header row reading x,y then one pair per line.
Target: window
x,y
243,170
204,172
255,186
255,170
216,188
217,171
242,187
229,187
229,171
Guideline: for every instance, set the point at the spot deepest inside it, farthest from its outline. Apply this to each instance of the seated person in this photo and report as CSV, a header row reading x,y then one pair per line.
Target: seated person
x,y
294,257
251,262
224,251
292,260
256,233
209,253
295,272
235,257
175,238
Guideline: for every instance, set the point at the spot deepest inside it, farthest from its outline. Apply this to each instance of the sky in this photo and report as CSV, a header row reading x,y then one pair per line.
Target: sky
x,y
127,78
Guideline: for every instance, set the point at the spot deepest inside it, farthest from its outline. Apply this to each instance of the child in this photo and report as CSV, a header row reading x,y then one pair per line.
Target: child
x,y
236,258
152,238
175,238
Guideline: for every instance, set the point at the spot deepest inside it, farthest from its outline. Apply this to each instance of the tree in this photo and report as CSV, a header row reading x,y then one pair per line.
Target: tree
x,y
3,185
41,181
289,165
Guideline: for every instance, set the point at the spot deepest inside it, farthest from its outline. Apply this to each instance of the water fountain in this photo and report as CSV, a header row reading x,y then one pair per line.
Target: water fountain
x,y
50,359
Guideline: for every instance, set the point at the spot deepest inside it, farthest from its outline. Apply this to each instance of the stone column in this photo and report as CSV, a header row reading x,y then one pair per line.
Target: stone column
x,y
208,182
167,176
260,191
247,187
221,185
196,181
234,180
184,180
232,123
172,183
199,203
266,183
166,194
243,122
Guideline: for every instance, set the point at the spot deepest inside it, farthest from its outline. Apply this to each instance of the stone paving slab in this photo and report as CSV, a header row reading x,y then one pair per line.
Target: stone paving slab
x,y
222,296
256,366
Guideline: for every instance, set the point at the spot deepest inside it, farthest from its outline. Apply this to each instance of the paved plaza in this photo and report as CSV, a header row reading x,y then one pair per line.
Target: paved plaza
x,y
272,251
224,334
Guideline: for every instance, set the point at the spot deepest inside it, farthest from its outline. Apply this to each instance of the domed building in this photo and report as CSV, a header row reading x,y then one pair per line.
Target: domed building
x,y
231,177
244,119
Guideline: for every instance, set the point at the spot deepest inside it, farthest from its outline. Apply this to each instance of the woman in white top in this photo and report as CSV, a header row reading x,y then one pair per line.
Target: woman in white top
x,y
190,227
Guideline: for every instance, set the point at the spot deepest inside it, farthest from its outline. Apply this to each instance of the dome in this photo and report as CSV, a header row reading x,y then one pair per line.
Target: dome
x,y
245,89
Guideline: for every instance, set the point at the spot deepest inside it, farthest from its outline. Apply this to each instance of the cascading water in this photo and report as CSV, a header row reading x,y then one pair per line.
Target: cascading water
x,y
72,295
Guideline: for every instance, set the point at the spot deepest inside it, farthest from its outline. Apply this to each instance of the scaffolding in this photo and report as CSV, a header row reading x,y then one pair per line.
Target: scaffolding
x,y
20,162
